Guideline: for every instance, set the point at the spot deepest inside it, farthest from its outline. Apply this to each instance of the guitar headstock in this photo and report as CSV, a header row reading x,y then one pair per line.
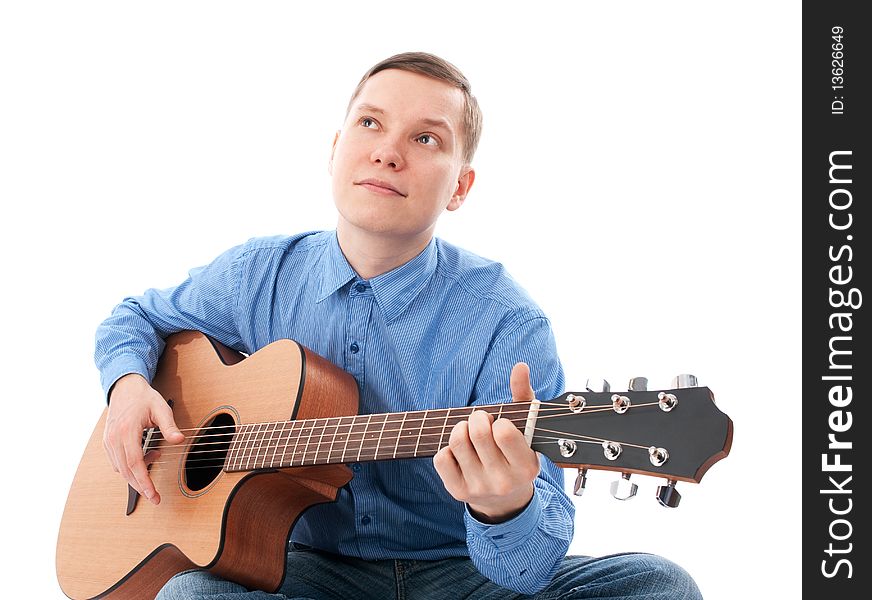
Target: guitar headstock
x,y
676,433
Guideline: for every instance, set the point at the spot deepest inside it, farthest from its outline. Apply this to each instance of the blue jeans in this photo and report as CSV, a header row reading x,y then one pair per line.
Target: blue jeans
x,y
315,575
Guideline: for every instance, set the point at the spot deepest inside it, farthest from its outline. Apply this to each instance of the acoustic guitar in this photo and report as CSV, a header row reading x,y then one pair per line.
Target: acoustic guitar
x,y
268,436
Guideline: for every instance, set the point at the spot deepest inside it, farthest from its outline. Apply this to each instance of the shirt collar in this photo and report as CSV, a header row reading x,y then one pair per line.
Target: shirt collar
x,y
396,289
335,270
393,291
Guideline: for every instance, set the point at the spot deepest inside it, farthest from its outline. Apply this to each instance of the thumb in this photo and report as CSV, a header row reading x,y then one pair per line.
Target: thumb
x,y
519,382
163,418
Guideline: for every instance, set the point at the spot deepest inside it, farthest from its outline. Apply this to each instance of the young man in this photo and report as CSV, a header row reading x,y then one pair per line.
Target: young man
x,y
420,324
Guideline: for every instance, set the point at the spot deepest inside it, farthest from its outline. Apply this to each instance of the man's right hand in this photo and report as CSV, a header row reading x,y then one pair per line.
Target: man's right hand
x,y
133,407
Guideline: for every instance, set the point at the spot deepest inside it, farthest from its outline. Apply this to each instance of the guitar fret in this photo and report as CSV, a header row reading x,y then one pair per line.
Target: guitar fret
x,y
267,443
342,430
282,443
321,430
308,441
249,444
331,436
229,462
372,436
261,434
293,458
347,438
262,445
399,434
390,436
411,423
299,446
272,460
423,423
360,449
258,444
380,435
444,427
233,458
320,439
431,435
240,452
284,461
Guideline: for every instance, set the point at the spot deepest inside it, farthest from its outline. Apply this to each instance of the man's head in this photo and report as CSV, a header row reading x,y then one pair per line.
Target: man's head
x,y
402,156
437,68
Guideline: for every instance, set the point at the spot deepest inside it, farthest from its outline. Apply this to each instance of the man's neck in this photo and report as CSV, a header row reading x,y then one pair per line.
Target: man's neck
x,y
371,254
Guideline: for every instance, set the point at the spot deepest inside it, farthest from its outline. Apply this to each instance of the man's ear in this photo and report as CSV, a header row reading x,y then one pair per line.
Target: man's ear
x,y
464,184
332,152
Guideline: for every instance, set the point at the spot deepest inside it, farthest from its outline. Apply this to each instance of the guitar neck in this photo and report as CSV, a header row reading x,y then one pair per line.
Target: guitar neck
x,y
356,438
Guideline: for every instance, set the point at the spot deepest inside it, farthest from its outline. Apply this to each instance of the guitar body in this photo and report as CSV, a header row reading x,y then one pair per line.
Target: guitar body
x,y
235,524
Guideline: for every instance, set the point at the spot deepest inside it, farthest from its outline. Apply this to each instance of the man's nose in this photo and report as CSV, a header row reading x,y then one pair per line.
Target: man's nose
x,y
388,155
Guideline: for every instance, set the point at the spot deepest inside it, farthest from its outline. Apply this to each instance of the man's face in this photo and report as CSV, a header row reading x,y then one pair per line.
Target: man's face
x,y
398,161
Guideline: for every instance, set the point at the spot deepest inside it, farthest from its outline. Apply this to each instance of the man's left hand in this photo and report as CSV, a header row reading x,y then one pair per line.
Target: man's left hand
x,y
488,464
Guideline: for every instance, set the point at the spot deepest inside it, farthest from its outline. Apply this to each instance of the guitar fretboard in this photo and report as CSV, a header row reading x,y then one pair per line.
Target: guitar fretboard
x,y
356,438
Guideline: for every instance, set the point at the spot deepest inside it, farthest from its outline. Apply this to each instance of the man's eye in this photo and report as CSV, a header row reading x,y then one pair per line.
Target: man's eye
x,y
367,122
428,139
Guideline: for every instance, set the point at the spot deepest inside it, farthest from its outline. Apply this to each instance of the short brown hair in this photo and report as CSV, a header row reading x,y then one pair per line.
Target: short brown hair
x,y
437,68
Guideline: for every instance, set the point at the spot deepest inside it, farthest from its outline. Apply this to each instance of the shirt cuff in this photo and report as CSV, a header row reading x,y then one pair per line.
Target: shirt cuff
x,y
118,368
508,534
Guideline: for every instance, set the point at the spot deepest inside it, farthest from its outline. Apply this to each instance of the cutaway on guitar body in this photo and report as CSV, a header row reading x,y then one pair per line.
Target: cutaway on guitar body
x,y
236,524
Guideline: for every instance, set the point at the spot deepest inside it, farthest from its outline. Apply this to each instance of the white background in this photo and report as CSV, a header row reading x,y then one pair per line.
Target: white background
x,y
639,174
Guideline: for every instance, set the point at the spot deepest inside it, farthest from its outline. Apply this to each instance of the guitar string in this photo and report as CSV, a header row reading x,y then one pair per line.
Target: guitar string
x,y
221,463
582,439
558,408
264,445
304,453
316,429
257,443
551,405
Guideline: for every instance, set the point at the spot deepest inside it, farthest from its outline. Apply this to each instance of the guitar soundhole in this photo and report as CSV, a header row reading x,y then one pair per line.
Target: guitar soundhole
x,y
208,452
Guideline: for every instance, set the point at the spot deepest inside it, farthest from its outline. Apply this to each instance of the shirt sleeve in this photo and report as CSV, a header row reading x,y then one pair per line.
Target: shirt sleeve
x,y
523,553
131,339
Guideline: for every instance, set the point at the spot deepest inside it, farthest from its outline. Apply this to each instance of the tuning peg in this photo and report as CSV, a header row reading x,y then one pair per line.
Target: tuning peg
x,y
597,385
623,489
638,384
580,482
667,495
685,380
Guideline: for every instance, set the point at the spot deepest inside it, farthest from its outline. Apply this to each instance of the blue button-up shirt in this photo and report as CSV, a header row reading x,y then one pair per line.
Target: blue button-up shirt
x,y
442,330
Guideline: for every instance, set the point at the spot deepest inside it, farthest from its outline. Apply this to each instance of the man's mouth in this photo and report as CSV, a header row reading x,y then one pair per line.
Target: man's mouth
x,y
379,186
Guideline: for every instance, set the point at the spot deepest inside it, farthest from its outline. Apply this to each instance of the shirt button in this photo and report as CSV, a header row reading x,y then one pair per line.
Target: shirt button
x,y
365,520
356,467
360,287
354,348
